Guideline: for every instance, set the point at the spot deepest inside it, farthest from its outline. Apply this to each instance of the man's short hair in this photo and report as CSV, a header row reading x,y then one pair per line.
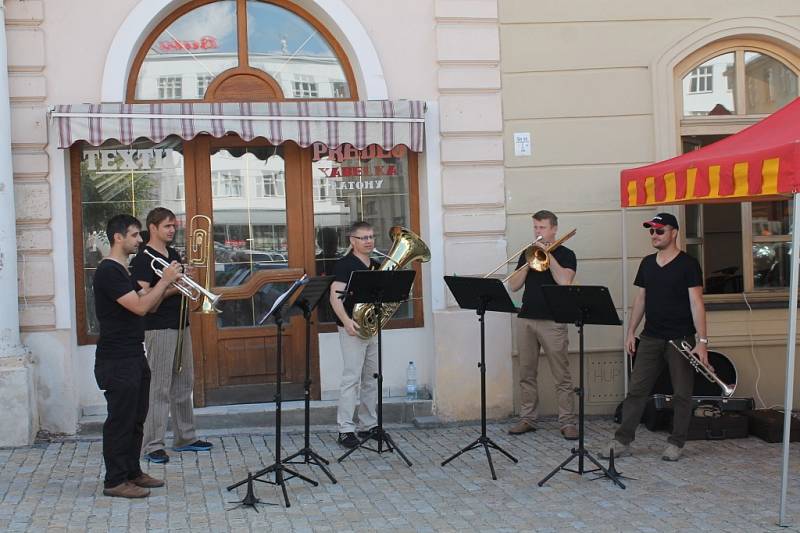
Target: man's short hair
x,y
158,215
120,224
359,224
546,215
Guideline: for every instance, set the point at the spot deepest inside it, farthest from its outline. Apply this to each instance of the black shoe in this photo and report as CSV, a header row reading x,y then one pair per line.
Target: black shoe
x,y
370,433
158,456
348,440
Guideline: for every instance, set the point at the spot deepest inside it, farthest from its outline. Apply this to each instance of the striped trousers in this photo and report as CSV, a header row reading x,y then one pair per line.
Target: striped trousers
x,y
169,392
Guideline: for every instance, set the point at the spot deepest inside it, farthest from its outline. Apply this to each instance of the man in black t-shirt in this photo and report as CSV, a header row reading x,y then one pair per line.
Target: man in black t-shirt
x,y
120,366
670,298
536,330
360,356
169,348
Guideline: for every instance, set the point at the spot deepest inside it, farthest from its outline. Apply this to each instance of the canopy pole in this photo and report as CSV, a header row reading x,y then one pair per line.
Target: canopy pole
x,y
791,342
624,234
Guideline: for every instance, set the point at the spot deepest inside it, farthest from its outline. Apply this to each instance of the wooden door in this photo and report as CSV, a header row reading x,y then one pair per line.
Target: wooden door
x,y
254,194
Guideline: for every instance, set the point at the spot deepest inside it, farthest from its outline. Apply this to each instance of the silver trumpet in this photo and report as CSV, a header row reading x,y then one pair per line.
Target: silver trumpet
x,y
685,349
185,285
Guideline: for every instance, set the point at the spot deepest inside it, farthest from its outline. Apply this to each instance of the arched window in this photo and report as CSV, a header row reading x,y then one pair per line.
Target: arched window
x,y
724,88
240,50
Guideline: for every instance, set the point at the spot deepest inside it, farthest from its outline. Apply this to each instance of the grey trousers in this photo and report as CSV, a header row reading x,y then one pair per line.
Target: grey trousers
x,y
551,337
651,356
358,386
169,392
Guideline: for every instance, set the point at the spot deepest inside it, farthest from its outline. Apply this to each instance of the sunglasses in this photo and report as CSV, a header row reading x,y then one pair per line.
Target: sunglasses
x,y
657,231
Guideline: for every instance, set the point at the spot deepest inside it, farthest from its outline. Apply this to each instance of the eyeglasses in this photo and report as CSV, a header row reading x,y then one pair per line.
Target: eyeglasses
x,y
659,231
365,238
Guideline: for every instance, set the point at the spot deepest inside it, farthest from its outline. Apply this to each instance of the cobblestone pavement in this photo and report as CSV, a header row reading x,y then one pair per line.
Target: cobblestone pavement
x,y
730,485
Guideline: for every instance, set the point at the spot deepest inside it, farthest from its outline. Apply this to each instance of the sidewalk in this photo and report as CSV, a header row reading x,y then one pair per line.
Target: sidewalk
x,y
728,485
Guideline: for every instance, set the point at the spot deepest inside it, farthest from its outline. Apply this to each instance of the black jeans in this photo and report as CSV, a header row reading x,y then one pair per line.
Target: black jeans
x,y
126,383
651,356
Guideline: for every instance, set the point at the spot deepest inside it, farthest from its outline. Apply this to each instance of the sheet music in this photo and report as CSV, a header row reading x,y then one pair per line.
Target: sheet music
x,y
282,298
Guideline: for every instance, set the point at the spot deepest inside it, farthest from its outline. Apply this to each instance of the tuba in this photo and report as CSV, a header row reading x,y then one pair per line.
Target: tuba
x,y
407,247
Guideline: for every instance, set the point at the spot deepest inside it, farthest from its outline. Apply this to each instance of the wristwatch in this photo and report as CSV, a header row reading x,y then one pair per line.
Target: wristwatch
x,y
702,340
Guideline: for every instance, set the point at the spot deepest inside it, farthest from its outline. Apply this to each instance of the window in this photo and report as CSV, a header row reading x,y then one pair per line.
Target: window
x,y
203,81
170,88
226,184
304,87
270,185
112,179
743,248
229,38
702,79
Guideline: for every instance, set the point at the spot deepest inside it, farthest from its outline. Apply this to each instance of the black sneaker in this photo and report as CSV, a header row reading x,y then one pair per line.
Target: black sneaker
x,y
158,456
368,433
348,440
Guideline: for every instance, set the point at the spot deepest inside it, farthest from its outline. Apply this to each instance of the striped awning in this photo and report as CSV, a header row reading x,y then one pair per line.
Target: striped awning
x,y
360,124
758,163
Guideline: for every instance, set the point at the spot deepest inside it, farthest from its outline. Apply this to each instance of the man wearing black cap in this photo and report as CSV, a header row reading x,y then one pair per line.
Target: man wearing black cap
x,y
671,298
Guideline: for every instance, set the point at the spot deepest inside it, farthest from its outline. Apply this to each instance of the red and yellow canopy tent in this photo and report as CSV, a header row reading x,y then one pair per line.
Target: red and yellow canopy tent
x,y
761,162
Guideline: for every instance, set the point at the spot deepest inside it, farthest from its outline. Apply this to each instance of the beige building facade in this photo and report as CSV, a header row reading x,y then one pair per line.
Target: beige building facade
x,y
597,87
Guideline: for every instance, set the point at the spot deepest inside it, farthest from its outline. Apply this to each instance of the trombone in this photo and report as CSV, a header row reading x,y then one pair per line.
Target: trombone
x,y
185,285
536,258
200,253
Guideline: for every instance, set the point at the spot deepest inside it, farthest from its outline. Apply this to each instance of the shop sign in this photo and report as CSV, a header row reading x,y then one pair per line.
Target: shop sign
x,y
345,151
153,160
206,42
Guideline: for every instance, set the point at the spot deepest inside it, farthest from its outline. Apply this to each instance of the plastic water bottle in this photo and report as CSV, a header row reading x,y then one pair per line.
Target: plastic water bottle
x,y
411,381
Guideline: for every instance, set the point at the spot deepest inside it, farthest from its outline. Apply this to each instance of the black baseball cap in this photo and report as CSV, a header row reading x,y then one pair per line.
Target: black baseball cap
x,y
661,220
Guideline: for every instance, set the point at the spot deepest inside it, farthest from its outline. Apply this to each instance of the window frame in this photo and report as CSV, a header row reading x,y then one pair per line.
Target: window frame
x,y
729,125
243,67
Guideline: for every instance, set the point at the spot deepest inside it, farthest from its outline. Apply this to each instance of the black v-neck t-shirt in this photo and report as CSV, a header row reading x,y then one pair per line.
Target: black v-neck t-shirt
x,y
342,270
667,312
167,315
533,302
121,331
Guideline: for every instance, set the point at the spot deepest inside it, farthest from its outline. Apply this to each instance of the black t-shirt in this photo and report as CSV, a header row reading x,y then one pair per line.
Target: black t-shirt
x,y
342,270
667,312
121,332
533,302
167,315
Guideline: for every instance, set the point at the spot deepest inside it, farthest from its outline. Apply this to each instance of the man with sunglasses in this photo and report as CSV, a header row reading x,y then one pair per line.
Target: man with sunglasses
x,y
358,386
670,298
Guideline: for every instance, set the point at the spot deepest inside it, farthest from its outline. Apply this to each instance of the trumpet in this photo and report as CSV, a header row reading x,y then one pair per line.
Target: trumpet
x,y
185,285
685,349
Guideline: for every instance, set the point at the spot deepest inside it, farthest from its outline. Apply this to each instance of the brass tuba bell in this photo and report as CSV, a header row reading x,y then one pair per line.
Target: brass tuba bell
x,y
407,247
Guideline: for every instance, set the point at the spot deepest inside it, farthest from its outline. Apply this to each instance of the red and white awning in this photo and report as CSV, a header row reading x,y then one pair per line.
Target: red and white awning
x,y
360,124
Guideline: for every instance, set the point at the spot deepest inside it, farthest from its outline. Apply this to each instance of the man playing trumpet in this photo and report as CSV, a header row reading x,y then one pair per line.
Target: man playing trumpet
x,y
671,298
537,331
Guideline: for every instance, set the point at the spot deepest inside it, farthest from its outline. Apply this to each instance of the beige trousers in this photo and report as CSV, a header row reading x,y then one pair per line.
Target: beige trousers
x,y
359,386
169,392
534,336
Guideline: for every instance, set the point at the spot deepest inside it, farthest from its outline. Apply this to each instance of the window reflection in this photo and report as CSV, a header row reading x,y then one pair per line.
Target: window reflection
x,y
771,264
710,88
187,55
769,84
294,53
350,185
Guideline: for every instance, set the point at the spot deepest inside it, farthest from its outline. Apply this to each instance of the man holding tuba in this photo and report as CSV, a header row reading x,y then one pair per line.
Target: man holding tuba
x,y
537,331
670,298
360,356
168,344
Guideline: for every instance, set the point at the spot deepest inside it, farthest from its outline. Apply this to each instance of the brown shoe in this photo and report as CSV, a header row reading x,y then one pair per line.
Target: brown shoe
x,y
569,432
523,426
147,481
126,490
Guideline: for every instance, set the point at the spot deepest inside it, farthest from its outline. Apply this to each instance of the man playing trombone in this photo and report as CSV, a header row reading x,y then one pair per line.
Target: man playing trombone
x,y
536,329
168,343
670,297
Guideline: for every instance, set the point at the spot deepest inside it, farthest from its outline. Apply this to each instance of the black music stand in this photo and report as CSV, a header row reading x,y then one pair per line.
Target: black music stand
x,y
580,305
281,309
481,294
308,300
378,287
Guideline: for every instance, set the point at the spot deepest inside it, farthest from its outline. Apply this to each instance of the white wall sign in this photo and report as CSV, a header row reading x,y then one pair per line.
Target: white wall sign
x,y
522,144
